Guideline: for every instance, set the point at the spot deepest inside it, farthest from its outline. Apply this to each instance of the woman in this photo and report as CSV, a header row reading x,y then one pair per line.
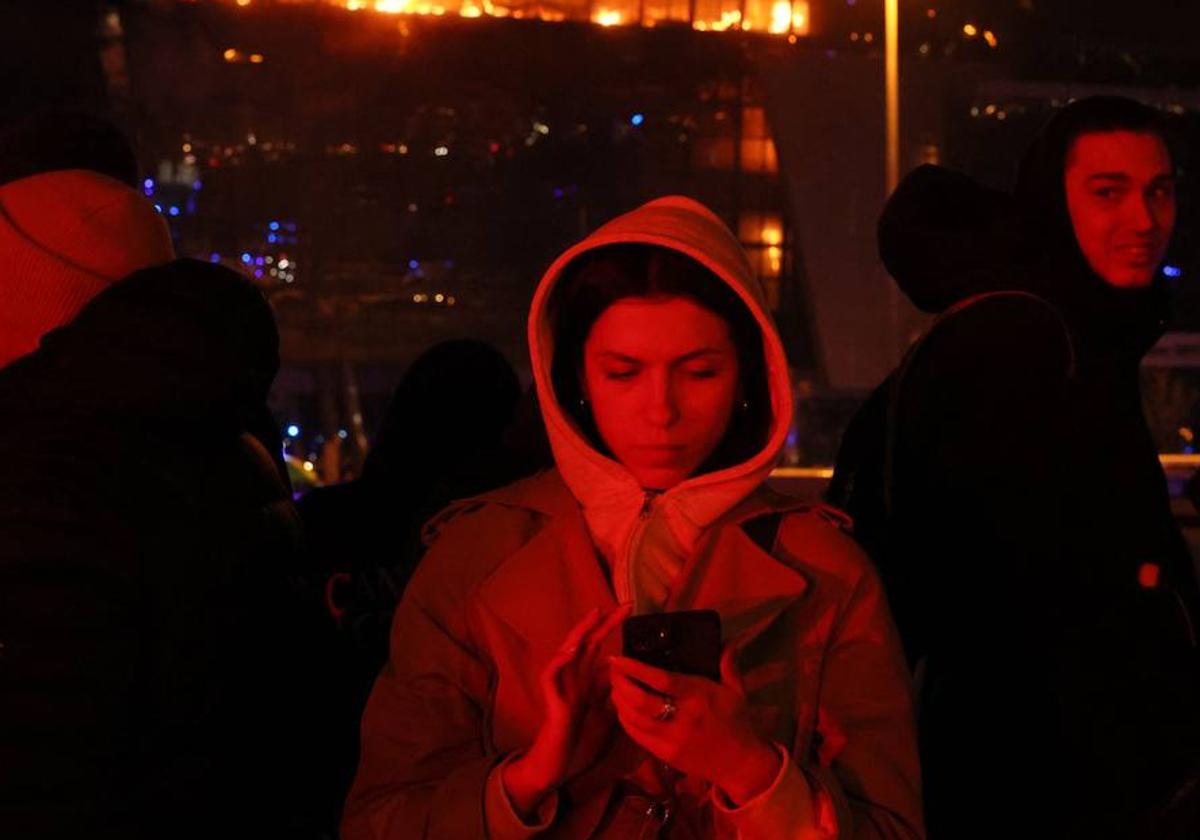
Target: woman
x,y
502,713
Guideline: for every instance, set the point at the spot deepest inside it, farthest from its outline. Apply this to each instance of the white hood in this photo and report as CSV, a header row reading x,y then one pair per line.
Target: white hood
x,y
646,553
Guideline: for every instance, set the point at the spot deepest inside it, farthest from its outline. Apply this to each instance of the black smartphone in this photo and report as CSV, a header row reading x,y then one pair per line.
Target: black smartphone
x,y
687,642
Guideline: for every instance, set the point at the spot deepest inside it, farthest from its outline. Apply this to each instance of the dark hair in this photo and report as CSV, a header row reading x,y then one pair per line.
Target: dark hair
x,y
52,140
601,277
1040,190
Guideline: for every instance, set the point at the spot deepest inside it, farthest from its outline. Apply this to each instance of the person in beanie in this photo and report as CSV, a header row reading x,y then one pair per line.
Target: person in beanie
x,y
65,236
145,666
1006,482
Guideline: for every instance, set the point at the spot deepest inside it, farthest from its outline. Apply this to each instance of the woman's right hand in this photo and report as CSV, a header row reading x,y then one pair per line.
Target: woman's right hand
x,y
578,719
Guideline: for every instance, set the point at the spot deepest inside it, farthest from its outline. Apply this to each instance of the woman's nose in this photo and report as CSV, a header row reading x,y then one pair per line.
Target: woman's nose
x,y
662,408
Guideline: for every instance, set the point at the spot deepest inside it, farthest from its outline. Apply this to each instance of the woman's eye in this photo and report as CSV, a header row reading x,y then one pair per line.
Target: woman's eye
x,y
620,375
702,373
1106,193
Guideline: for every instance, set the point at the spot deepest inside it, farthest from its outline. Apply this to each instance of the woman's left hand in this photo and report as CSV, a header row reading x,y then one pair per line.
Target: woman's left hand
x,y
700,727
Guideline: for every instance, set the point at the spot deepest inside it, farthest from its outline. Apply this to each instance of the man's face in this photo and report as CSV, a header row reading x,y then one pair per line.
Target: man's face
x,y
1121,197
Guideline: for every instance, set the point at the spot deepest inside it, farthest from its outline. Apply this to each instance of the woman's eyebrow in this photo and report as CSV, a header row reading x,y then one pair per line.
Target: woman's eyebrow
x,y
700,353
614,356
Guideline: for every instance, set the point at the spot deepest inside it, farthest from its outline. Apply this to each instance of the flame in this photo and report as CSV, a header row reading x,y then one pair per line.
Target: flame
x,y
781,17
800,17
730,19
607,17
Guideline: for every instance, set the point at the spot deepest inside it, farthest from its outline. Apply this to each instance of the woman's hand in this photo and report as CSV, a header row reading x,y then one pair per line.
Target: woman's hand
x,y
577,722
700,727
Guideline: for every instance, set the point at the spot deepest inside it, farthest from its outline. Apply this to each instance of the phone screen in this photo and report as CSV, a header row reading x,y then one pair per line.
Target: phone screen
x,y
687,642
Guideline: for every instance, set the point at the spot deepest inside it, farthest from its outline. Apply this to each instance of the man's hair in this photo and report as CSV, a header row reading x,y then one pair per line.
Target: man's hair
x,y
1093,115
1040,194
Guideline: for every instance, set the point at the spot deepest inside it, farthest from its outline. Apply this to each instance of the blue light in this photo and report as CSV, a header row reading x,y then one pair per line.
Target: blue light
x,y
158,207
148,184
414,265
259,261
174,211
558,193
637,119
214,257
293,430
274,225
272,238
343,434
1172,271
197,185
247,259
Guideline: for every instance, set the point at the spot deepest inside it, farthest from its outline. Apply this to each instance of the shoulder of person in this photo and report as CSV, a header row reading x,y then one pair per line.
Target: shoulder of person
x,y
819,538
812,537
998,330
471,536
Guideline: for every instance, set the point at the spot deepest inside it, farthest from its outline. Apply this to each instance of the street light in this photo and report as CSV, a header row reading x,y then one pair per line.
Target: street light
x,y
891,72
891,35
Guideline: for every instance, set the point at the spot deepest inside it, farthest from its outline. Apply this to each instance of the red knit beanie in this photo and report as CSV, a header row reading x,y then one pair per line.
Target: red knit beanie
x,y
64,237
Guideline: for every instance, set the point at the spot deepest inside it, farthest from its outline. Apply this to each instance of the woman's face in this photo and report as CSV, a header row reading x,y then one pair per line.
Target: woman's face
x,y
661,374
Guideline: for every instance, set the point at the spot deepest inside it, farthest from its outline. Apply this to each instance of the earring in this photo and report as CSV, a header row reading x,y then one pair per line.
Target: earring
x,y
744,405
582,404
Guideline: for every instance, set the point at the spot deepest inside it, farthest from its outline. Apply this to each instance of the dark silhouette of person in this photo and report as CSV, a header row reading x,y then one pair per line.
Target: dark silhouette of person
x,y
441,440
54,140
146,672
1006,482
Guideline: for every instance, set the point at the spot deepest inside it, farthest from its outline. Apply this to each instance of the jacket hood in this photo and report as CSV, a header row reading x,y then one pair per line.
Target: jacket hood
x,y
644,559
1123,321
944,237
188,342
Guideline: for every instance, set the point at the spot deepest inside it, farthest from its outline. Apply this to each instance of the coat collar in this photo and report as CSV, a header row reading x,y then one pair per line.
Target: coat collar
x,y
546,587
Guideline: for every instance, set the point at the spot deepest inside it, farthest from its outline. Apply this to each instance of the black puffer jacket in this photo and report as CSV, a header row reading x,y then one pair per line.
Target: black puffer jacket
x,y
1006,481
143,537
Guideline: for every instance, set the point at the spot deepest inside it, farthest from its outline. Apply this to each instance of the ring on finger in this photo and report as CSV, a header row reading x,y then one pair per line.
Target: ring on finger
x,y
668,710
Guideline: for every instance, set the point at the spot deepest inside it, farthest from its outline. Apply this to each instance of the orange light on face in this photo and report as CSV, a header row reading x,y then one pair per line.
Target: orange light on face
x,y
661,377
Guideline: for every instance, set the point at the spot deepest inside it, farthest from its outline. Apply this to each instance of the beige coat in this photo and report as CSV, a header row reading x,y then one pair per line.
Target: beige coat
x,y
510,573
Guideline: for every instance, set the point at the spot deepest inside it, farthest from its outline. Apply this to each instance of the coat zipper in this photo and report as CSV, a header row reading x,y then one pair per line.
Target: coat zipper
x,y
635,535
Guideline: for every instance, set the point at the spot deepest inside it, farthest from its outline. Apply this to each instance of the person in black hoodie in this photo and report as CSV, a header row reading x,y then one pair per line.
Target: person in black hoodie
x,y
441,440
1005,480
145,688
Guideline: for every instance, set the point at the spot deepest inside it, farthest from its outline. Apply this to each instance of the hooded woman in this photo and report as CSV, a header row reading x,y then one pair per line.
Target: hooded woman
x,y
501,714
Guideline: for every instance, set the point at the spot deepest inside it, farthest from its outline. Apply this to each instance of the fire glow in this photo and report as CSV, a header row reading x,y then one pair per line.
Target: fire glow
x,y
782,17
